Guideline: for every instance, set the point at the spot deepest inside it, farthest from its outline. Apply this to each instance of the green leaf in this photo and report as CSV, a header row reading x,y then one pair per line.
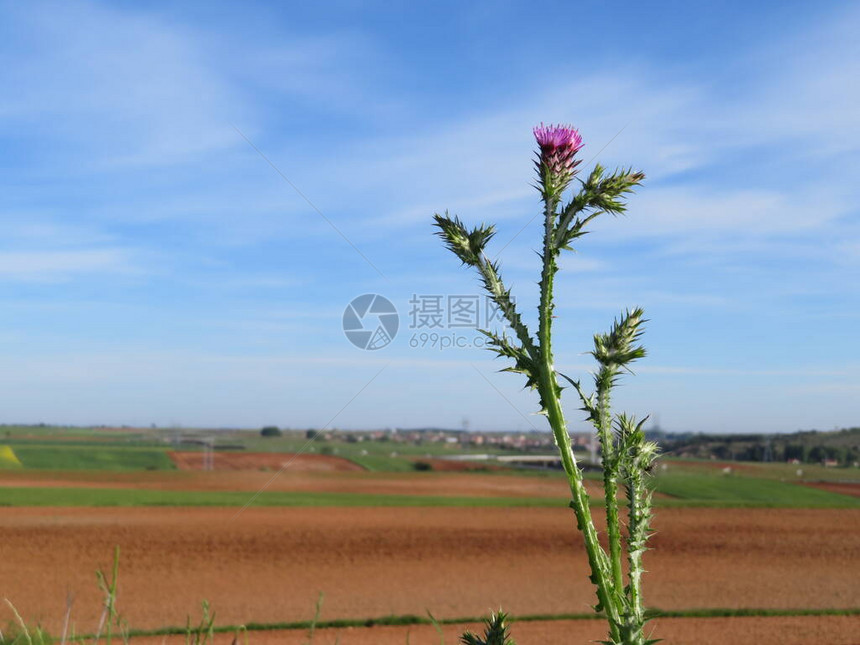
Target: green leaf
x,y
599,194
466,245
523,362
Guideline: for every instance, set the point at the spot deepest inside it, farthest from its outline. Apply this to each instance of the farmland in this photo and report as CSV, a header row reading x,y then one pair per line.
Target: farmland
x,y
267,565
260,540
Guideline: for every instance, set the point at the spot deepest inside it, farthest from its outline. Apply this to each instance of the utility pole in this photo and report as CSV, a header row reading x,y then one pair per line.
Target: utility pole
x,y
208,453
768,450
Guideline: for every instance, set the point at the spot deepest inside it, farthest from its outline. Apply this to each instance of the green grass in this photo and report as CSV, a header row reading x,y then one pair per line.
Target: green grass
x,y
53,433
293,443
731,490
375,456
97,442
772,470
383,463
92,457
406,620
685,490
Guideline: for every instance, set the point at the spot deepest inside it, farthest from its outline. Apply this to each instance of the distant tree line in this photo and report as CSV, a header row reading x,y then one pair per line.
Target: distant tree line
x,y
840,446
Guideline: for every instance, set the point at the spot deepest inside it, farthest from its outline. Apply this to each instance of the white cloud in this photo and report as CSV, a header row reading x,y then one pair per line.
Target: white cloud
x,y
61,266
124,87
45,230
705,210
812,97
687,135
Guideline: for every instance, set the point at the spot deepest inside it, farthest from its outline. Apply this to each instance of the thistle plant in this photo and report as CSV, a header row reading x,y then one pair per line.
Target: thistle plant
x,y
626,456
496,632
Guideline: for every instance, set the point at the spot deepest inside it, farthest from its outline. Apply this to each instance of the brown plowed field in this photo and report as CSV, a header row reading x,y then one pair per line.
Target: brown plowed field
x,y
268,564
265,461
794,630
428,483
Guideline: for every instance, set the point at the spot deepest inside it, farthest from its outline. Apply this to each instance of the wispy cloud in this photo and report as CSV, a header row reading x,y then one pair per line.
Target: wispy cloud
x,y
62,266
701,212
121,165
127,88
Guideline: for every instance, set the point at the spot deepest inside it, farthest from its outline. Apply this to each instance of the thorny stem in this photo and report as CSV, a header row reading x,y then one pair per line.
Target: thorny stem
x,y
637,514
610,483
502,298
626,457
640,456
549,392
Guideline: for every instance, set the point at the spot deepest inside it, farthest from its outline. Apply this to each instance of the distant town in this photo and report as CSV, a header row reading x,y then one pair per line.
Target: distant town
x,y
835,448
830,448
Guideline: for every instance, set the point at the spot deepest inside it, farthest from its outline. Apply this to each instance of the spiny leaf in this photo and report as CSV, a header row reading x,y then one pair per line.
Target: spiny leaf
x,y
501,295
466,245
523,363
589,403
600,194
496,632
469,247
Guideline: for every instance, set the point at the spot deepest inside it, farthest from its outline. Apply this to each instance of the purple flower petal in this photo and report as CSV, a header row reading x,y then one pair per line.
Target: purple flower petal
x,y
554,137
558,147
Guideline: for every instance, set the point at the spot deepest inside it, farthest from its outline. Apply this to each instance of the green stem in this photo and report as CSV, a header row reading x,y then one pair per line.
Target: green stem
x,y
637,513
502,298
640,457
549,392
111,595
610,483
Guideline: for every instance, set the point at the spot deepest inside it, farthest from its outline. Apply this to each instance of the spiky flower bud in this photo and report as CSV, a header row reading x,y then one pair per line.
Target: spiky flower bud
x,y
556,162
496,632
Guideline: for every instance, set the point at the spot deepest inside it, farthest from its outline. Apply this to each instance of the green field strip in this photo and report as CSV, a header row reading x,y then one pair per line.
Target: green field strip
x,y
751,613
381,463
130,497
412,619
745,491
92,457
102,441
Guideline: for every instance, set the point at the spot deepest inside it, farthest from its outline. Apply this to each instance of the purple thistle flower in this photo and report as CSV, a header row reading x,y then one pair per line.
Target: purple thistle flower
x,y
558,147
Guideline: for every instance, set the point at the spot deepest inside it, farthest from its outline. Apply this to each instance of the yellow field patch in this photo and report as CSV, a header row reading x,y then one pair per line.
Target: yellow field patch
x,y
8,457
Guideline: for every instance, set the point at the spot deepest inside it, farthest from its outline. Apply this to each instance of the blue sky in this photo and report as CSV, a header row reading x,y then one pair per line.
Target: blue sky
x,y
154,268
